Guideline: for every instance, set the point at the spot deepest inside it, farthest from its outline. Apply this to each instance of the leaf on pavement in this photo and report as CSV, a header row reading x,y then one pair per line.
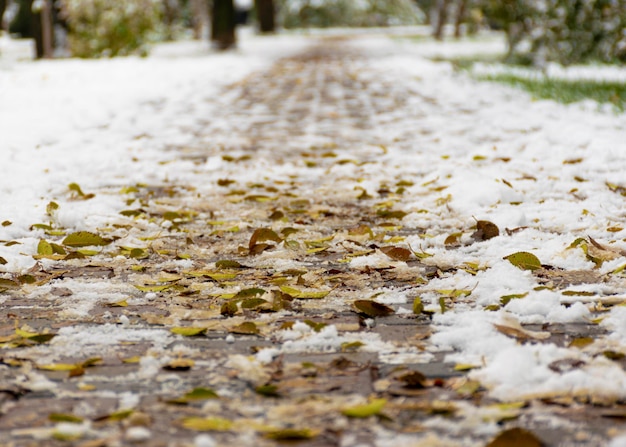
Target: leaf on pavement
x,y
512,328
372,408
84,239
372,308
188,331
515,437
261,235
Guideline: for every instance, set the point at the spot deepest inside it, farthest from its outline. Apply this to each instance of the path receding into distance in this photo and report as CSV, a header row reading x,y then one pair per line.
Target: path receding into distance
x,y
323,259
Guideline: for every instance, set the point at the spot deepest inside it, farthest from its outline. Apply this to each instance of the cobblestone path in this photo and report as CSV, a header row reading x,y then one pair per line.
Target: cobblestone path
x,y
236,305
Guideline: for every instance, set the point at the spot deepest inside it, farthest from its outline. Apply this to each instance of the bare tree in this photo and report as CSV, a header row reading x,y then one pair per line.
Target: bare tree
x,y
3,7
199,14
461,9
223,34
440,17
266,14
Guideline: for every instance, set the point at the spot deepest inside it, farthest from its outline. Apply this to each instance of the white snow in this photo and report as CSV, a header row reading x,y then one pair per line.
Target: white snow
x,y
492,152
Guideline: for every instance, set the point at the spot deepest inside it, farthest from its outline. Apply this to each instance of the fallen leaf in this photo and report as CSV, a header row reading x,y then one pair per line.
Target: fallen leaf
x,y
207,424
515,437
397,253
188,331
263,235
524,260
196,394
485,230
372,308
245,328
512,328
84,239
291,434
179,365
372,408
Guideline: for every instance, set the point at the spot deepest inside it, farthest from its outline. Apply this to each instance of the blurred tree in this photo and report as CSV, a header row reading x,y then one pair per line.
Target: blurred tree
x,y
223,35
439,18
29,22
172,10
108,28
328,13
3,7
199,12
460,17
266,15
440,10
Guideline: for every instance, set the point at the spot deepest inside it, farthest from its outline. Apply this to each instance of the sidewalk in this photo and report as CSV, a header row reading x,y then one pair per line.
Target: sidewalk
x,y
255,278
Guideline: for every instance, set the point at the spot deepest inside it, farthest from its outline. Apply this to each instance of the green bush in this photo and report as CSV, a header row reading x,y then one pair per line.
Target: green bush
x,y
328,13
105,28
565,31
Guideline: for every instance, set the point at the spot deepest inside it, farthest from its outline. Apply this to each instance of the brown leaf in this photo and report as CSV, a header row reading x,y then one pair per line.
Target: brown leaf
x,y
515,437
566,365
263,235
512,328
245,328
372,308
413,379
397,253
485,230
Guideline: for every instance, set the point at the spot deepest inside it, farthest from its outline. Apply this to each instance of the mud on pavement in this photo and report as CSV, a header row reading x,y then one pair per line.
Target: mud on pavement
x,y
267,297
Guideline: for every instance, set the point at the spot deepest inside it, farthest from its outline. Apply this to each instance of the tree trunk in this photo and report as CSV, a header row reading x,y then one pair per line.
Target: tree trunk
x,y
47,34
223,24
266,15
3,7
199,14
460,18
441,14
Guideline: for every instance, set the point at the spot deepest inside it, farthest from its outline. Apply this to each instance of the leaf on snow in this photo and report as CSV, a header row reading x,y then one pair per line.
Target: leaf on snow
x,y
77,192
524,260
397,253
485,230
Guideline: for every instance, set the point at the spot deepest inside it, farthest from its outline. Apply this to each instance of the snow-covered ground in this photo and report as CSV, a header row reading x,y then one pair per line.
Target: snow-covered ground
x,y
548,173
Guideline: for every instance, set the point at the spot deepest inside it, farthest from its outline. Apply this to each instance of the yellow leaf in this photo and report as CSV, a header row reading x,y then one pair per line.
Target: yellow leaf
x,y
160,288
372,408
207,424
57,367
304,294
188,331
524,260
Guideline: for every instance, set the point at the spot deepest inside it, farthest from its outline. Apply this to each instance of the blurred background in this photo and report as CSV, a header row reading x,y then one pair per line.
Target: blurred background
x,y
536,31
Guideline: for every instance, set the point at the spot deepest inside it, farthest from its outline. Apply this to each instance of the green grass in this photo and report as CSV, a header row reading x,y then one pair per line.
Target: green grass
x,y
566,91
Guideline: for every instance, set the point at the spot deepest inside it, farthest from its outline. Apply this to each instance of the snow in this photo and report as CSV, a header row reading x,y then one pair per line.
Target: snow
x,y
495,153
